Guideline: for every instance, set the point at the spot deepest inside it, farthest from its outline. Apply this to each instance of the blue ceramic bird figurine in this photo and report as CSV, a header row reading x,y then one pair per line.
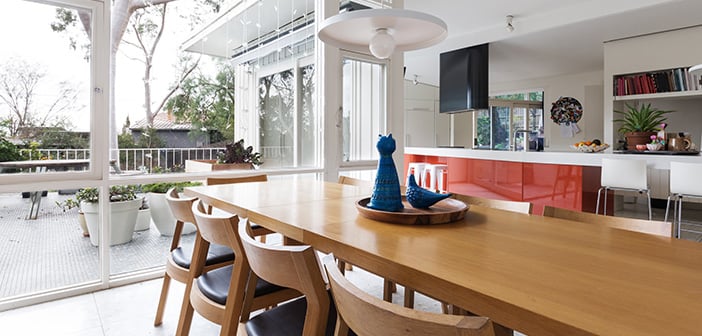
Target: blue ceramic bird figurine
x,y
421,198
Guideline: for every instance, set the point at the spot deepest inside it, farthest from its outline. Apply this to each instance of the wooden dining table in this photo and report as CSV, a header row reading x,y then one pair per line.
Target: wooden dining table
x,y
534,274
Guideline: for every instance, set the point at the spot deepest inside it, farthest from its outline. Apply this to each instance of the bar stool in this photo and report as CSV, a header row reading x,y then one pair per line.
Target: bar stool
x,y
627,175
416,168
685,181
436,176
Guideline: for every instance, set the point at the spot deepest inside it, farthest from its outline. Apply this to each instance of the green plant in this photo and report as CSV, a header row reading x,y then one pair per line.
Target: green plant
x,y
237,153
642,119
9,152
91,195
162,187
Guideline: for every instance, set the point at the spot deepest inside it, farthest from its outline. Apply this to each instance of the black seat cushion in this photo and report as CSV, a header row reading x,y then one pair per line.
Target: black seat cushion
x,y
216,254
215,285
288,320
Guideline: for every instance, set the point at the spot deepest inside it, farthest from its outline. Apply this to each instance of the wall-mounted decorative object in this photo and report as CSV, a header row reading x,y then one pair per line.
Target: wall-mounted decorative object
x,y
567,111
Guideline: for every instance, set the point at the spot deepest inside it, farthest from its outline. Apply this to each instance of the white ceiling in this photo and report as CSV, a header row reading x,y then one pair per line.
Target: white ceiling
x,y
551,37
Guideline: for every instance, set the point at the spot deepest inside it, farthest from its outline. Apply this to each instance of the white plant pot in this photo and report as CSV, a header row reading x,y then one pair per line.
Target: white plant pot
x,y
123,217
162,216
143,221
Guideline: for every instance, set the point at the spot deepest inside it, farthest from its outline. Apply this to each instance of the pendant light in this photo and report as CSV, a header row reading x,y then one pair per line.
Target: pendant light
x,y
382,31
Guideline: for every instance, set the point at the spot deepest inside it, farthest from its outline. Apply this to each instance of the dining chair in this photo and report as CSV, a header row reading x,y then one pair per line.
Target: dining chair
x,y
685,181
259,231
514,206
179,261
631,224
625,175
294,267
369,316
229,294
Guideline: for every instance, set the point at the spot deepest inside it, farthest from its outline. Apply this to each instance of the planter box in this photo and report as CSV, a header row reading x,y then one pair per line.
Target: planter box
x,y
194,166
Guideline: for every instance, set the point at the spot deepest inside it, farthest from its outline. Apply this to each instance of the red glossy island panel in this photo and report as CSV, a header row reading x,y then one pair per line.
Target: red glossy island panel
x,y
564,186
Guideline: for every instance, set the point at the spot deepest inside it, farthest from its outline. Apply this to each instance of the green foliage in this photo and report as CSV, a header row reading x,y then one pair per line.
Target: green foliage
x,y
149,139
237,153
63,139
162,187
92,195
483,130
9,152
642,119
207,103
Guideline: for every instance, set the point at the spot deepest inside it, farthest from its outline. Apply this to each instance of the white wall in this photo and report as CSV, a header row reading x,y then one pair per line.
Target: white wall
x,y
586,87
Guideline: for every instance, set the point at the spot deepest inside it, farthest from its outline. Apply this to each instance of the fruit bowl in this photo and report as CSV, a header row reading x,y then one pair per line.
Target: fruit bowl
x,y
592,148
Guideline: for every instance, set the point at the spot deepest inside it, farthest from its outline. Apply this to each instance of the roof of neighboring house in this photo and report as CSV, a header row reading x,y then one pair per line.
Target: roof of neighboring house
x,y
162,121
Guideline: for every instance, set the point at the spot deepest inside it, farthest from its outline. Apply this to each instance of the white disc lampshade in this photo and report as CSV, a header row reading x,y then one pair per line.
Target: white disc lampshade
x,y
382,31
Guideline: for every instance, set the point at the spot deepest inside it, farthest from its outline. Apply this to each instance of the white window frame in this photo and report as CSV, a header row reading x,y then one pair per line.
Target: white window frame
x,y
384,120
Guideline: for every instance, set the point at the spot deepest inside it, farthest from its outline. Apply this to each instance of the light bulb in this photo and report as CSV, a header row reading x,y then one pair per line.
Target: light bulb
x,y
382,44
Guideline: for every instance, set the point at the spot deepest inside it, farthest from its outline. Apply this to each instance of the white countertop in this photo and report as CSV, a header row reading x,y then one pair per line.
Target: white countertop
x,y
567,158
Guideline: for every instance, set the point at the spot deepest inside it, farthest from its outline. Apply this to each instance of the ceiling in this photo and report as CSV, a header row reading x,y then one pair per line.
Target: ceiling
x,y
551,37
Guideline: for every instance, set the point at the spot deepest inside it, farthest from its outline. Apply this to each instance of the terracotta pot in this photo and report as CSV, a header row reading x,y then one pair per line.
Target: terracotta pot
x,y
637,138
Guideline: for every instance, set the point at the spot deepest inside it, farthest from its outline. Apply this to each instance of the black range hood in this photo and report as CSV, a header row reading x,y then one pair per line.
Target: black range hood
x,y
463,79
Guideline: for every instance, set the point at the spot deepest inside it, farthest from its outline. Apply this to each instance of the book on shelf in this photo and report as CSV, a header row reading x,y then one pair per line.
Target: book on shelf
x,y
669,80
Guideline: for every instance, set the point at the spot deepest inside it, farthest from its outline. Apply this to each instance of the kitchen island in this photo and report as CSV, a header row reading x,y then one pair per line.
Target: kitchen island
x,y
563,179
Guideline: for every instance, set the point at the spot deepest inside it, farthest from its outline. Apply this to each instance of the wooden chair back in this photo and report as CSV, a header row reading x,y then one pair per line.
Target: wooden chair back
x,y
182,212
370,316
367,185
295,267
221,229
658,228
515,206
238,179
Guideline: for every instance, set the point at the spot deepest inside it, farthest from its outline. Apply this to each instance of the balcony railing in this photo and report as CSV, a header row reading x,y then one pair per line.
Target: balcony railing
x,y
150,159
156,160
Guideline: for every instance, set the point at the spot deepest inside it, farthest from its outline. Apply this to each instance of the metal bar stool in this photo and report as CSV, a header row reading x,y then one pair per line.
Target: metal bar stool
x,y
627,175
685,181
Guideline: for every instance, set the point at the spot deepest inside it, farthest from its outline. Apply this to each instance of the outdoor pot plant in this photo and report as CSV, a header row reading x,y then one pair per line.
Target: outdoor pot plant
x,y
160,211
638,124
124,206
237,153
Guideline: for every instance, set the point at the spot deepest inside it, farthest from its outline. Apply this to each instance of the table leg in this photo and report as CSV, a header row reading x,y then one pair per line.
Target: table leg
x,y
34,205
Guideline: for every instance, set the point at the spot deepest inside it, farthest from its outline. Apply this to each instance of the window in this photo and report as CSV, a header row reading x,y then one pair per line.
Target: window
x,y
509,120
364,108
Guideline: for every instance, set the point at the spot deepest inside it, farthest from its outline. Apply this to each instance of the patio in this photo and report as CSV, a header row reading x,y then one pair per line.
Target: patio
x,y
51,252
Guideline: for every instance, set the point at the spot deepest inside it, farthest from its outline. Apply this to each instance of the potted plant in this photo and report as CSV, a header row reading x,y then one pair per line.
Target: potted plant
x,y
143,221
124,206
639,123
160,211
72,203
235,156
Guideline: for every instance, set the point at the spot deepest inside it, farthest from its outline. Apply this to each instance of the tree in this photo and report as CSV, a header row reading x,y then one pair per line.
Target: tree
x,y
207,103
22,91
122,13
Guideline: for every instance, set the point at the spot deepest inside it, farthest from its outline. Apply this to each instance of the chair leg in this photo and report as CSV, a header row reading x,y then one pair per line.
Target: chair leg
x,y
605,201
648,197
597,208
680,201
409,297
667,207
162,300
387,290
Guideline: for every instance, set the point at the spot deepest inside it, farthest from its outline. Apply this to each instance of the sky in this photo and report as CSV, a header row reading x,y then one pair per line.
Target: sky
x,y
27,35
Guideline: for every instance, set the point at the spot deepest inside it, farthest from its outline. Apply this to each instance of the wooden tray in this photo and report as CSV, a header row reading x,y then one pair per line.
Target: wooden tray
x,y
445,211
